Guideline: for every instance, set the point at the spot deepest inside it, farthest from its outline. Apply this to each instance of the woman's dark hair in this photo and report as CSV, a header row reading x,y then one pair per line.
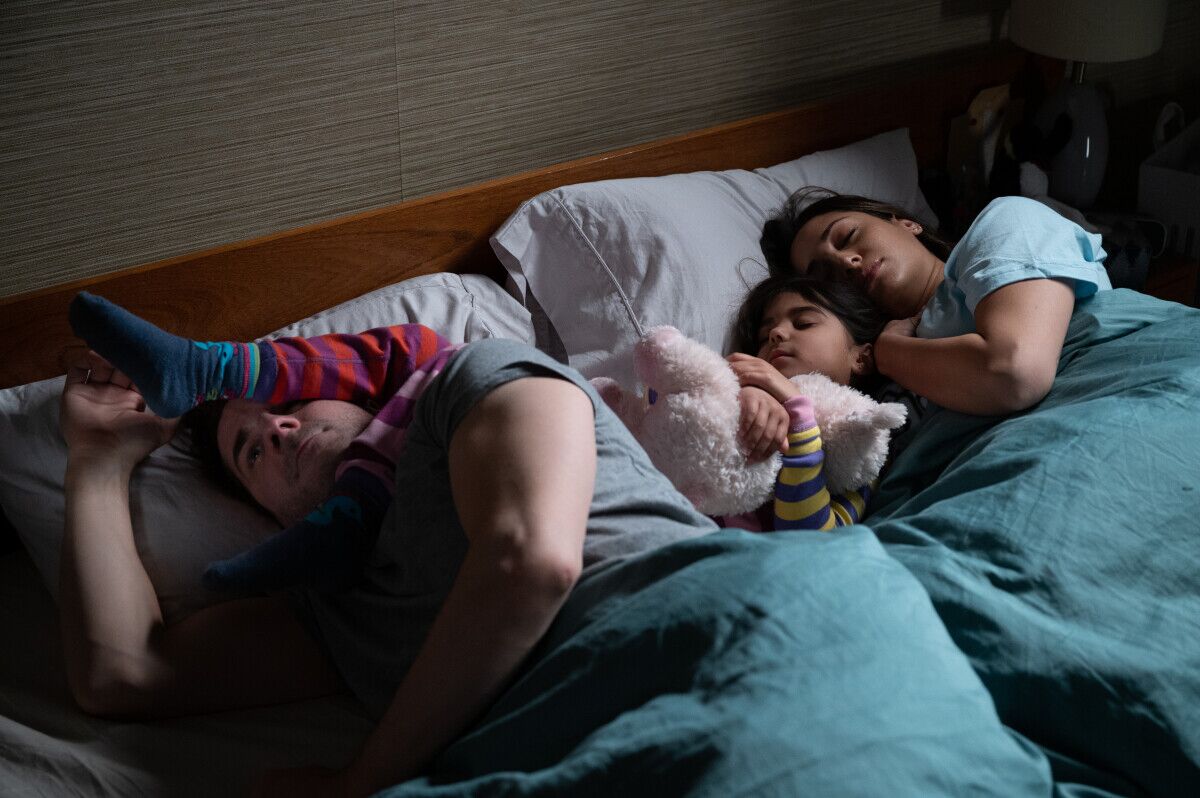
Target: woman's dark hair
x,y
201,425
812,201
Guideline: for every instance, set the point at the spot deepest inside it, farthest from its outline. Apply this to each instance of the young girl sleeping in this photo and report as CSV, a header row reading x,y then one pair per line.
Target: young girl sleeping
x,y
788,326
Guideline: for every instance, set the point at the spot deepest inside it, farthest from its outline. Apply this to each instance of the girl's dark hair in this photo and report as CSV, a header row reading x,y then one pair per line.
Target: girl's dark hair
x,y
844,300
201,425
812,201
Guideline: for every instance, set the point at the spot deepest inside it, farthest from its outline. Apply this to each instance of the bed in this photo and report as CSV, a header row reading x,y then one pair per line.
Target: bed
x,y
1019,615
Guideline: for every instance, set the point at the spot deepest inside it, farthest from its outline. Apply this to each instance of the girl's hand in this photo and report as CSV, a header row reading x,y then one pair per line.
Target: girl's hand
x,y
764,424
103,417
754,371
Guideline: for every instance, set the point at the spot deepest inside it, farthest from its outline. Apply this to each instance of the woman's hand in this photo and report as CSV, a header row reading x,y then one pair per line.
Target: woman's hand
x,y
103,417
754,371
764,424
905,328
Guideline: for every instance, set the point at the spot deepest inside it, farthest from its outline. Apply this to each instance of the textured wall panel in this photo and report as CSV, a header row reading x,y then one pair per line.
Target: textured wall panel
x,y
136,131
508,86
132,131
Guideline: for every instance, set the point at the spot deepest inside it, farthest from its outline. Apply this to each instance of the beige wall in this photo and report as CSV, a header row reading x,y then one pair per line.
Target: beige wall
x,y
134,131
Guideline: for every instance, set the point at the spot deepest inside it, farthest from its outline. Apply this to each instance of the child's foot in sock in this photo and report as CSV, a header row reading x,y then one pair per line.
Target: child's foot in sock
x,y
174,374
326,549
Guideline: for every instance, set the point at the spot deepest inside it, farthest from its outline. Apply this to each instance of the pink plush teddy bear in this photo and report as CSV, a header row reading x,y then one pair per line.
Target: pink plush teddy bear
x,y
687,422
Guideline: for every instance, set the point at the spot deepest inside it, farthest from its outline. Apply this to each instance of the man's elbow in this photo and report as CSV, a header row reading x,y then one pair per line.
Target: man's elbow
x,y
110,693
550,575
539,573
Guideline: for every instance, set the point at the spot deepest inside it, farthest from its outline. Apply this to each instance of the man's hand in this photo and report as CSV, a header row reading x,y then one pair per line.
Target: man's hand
x,y
103,417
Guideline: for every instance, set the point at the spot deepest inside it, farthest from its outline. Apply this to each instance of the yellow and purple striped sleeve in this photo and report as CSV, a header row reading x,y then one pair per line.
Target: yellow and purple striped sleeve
x,y
802,499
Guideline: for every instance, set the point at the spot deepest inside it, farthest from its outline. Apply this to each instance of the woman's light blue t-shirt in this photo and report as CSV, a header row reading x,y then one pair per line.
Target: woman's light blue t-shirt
x,y
1013,239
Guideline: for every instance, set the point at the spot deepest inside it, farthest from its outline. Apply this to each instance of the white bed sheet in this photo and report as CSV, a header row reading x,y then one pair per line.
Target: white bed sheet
x,y
50,748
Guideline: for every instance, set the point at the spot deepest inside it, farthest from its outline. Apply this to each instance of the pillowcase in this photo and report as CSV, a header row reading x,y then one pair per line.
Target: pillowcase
x,y
608,259
181,520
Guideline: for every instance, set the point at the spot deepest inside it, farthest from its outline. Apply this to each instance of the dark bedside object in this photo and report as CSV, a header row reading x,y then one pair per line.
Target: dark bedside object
x,y
1174,277
8,536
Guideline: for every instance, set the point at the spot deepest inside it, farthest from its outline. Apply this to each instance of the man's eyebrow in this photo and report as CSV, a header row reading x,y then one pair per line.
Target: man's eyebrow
x,y
828,227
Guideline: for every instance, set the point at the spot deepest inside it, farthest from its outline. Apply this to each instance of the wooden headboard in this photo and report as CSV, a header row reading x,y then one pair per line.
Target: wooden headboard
x,y
246,289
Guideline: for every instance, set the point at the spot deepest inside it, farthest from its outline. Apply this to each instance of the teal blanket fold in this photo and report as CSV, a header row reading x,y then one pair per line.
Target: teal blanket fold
x,y
744,665
1061,547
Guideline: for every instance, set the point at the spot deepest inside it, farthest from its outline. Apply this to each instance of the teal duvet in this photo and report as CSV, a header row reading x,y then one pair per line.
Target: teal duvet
x,y
1020,616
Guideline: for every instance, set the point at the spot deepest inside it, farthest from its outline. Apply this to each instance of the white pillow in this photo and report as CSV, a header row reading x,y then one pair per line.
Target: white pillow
x,y
181,520
608,259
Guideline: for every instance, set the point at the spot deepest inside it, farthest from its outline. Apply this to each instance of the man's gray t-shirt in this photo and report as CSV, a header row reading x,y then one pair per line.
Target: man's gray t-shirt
x,y
372,632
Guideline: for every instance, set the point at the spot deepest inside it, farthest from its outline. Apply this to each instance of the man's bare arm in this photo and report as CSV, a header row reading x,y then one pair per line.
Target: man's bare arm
x,y
122,660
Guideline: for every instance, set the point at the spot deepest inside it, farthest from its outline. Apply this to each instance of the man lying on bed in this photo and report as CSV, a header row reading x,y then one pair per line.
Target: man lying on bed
x,y
514,481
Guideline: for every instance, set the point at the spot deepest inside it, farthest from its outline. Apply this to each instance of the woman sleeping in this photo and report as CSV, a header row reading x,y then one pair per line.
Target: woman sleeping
x,y
978,329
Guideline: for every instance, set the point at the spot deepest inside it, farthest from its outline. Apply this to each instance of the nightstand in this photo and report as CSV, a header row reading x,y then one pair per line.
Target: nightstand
x,y
1174,277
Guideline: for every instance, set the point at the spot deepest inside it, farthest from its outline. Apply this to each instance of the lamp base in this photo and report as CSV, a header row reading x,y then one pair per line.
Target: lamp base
x,y
1077,171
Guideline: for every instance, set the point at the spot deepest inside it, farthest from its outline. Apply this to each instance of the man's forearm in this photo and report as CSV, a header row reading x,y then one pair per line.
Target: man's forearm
x,y
491,620
107,604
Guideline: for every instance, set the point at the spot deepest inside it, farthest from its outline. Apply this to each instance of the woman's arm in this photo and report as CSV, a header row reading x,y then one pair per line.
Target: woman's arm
x,y
1008,364
121,658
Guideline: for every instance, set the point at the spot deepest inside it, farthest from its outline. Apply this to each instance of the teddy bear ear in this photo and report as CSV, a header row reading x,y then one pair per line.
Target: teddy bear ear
x,y
889,415
610,391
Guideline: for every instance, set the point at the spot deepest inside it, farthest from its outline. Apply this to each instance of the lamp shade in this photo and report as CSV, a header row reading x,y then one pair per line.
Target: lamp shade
x,y
1089,30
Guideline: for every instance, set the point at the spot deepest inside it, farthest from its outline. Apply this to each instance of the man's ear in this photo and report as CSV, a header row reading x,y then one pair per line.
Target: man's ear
x,y
864,361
